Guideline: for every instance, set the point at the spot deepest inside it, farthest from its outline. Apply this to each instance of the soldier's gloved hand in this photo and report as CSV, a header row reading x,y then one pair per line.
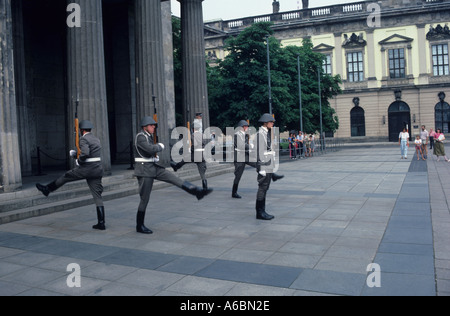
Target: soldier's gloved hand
x,y
162,146
263,173
76,162
73,153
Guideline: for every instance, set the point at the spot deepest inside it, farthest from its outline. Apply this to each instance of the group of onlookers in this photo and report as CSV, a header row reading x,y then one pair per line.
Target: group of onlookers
x,y
301,145
434,139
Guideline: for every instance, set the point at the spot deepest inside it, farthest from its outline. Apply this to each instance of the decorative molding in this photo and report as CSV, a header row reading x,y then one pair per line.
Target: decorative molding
x,y
354,41
438,32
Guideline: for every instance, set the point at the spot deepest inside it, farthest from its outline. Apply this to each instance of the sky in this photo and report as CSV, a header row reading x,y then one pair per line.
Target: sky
x,y
235,9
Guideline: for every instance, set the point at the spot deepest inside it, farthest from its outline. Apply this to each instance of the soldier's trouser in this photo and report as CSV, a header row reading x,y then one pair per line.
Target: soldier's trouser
x,y
95,184
263,186
201,166
146,185
239,168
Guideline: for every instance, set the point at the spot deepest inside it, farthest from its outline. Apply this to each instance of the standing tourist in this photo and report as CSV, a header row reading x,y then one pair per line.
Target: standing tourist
x,y
439,149
403,141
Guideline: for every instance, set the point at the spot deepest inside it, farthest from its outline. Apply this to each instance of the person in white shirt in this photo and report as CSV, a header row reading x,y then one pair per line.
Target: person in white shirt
x,y
403,141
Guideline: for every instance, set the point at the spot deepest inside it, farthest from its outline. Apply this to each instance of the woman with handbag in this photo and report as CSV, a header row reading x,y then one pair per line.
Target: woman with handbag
x,y
439,149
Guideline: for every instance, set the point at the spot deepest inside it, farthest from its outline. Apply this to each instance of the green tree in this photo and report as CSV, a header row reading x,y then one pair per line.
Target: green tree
x,y
238,87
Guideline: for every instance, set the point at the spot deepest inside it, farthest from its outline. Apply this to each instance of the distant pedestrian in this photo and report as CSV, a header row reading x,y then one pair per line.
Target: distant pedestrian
x,y
292,146
432,134
403,141
424,136
418,143
439,149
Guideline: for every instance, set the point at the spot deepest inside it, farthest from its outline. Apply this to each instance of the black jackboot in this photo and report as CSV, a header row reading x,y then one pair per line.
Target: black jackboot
x,y
195,190
175,166
234,193
140,227
205,184
276,177
46,189
261,211
101,218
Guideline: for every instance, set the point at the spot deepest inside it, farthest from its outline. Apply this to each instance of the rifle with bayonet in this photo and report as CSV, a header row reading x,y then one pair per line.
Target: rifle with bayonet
x,y
77,127
155,118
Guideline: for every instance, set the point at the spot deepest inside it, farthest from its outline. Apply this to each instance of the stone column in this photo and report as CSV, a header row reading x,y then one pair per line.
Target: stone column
x,y
195,89
168,56
21,89
86,75
10,170
150,78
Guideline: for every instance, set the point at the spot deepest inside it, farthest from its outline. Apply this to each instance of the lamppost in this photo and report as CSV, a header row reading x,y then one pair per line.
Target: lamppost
x,y
300,93
268,71
322,138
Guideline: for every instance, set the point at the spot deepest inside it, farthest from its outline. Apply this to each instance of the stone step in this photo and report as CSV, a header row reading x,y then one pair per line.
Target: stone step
x,y
29,202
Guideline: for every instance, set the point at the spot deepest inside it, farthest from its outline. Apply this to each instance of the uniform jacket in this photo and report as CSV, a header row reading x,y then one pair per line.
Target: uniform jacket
x,y
90,148
241,144
264,149
145,148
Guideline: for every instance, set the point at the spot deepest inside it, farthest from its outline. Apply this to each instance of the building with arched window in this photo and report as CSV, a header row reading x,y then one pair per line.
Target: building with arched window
x,y
393,55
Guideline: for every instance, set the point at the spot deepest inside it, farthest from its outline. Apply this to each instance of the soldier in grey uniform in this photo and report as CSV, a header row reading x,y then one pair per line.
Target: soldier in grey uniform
x,y
197,150
147,170
89,167
242,148
264,138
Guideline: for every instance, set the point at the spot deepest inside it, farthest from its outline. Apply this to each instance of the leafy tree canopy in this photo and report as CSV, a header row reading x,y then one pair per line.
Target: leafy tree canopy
x,y
238,86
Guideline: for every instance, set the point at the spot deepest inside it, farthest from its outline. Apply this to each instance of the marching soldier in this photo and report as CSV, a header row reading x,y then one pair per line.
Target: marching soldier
x,y
147,170
89,167
197,150
242,148
264,137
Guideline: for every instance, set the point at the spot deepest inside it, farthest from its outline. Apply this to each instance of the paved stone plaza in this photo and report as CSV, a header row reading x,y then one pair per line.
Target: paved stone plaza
x,y
334,215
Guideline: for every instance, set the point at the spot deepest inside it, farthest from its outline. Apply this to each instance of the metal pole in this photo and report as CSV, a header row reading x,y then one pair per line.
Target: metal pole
x,y
270,80
322,139
300,93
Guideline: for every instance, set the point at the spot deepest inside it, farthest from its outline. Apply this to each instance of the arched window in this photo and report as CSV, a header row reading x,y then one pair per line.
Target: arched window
x,y
358,121
442,116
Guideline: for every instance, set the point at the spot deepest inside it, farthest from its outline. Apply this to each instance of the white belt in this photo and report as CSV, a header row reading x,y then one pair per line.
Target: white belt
x,y
146,160
198,150
269,153
93,160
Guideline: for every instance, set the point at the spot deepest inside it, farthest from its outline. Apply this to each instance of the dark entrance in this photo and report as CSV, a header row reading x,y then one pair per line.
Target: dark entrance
x,y
399,118
358,121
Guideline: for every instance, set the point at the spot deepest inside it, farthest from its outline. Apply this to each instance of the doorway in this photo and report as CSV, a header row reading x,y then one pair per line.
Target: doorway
x,y
399,118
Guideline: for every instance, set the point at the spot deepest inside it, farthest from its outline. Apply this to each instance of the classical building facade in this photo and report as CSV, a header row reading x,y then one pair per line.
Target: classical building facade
x,y
392,56
109,61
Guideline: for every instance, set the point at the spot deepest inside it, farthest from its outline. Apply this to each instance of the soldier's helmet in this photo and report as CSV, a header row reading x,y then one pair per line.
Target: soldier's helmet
x,y
148,120
266,118
242,123
86,125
